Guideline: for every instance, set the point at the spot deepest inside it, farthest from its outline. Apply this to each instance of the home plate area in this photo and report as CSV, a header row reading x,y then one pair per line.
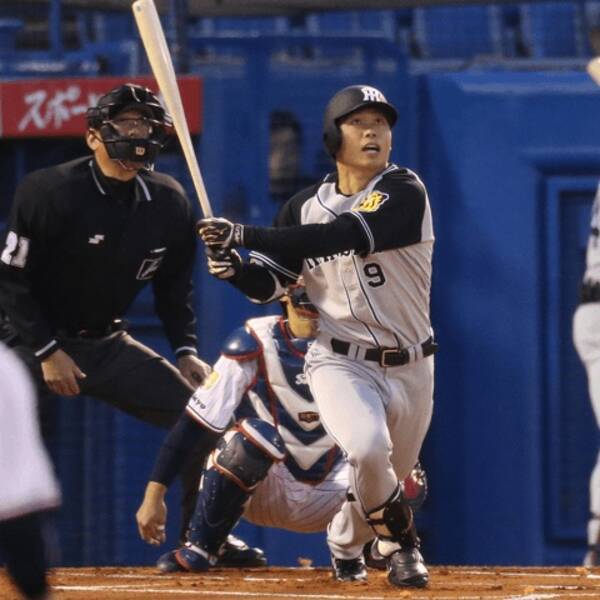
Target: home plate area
x,y
466,583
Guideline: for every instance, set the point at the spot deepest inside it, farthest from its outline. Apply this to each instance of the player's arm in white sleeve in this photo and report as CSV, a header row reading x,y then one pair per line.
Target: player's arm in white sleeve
x,y
207,415
215,401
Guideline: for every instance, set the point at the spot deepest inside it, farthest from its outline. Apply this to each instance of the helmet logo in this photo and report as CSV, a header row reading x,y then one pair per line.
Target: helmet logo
x,y
140,150
371,94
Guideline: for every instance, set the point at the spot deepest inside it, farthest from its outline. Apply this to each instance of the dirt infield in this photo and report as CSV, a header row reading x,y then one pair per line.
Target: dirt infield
x,y
466,583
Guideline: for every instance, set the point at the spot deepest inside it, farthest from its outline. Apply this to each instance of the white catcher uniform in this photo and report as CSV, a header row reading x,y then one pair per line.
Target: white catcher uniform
x,y
28,482
260,374
377,411
586,336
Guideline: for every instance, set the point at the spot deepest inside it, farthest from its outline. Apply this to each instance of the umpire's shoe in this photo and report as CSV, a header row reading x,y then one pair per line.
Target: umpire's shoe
x,y
353,569
406,568
237,554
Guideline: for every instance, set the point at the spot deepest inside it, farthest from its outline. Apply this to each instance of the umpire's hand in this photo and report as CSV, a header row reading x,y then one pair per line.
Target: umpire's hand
x,y
193,369
61,374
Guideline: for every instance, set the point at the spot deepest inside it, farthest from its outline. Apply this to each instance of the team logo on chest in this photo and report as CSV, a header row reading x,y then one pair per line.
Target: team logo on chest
x,y
372,202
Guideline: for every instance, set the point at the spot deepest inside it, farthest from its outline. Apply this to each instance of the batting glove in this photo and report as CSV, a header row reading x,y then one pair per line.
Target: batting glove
x,y
220,233
223,264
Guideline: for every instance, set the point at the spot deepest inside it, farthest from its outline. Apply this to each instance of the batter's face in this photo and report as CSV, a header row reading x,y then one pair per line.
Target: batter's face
x,y
366,140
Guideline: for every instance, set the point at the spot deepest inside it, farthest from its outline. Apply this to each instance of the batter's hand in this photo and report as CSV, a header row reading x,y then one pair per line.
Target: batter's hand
x,y
193,369
220,233
151,516
223,264
61,374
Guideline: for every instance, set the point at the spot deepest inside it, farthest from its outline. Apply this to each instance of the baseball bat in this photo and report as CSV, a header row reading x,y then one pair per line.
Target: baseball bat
x,y
153,38
593,69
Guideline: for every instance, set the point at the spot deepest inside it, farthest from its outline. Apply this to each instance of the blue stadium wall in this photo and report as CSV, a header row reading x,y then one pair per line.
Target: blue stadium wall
x,y
511,160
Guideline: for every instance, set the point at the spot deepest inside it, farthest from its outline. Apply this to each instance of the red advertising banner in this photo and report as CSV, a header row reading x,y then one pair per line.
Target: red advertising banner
x,y
56,107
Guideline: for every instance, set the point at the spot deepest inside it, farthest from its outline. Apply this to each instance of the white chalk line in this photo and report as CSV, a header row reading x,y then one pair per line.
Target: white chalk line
x,y
521,574
255,579
134,590
144,590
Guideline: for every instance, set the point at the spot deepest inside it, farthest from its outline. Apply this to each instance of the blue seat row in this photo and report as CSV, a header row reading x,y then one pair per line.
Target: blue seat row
x,y
536,30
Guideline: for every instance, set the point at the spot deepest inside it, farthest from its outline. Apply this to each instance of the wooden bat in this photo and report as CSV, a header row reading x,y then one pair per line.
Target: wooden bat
x,y
593,68
153,37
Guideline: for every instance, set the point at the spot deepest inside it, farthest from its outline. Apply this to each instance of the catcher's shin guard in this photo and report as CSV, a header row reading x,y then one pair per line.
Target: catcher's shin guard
x,y
240,462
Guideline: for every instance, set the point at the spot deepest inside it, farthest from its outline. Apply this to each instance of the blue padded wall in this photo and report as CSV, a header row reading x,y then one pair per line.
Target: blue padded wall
x,y
510,393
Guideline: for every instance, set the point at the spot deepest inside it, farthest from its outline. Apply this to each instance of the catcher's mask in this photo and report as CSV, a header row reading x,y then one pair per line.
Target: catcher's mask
x,y
347,101
299,300
137,139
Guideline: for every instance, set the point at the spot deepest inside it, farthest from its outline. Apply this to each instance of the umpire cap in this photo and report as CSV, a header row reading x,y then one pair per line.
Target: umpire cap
x,y
346,101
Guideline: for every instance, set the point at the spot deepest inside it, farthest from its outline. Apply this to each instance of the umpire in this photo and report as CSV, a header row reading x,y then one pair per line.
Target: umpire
x,y
83,239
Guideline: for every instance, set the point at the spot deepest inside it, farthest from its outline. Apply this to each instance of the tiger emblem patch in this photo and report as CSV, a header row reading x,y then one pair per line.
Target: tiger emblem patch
x,y
372,202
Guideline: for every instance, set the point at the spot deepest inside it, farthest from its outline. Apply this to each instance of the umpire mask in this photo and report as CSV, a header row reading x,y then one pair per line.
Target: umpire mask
x,y
132,123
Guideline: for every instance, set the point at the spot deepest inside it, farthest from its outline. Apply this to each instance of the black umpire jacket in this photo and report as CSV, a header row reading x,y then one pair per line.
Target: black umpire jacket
x,y
79,247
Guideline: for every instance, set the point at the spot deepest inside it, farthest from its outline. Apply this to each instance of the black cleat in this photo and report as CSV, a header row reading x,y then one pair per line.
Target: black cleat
x,y
353,569
236,553
406,568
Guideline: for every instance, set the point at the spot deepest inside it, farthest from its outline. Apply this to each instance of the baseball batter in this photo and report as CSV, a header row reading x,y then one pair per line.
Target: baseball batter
x,y
586,335
277,466
363,241
29,487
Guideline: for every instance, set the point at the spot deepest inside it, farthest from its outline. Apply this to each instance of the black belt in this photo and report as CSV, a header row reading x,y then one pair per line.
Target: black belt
x,y
95,332
589,292
388,357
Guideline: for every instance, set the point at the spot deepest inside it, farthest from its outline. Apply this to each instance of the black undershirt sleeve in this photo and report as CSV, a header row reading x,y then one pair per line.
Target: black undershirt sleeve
x,y
255,281
308,241
186,436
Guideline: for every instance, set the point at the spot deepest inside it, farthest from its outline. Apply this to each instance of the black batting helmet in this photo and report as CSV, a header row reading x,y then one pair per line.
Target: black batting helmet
x,y
131,96
346,101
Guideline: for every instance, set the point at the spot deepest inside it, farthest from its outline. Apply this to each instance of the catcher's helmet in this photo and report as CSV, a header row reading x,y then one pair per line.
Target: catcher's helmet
x,y
346,101
124,147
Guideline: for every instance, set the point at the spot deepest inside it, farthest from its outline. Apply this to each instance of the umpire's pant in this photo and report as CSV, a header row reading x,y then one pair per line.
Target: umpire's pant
x,y
133,378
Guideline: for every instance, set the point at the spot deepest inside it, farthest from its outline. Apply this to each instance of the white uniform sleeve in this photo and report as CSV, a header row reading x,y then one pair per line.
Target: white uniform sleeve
x,y
28,481
215,401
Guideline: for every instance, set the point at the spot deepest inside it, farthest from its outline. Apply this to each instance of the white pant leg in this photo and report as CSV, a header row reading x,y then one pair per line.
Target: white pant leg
x,y
586,336
350,398
284,502
409,411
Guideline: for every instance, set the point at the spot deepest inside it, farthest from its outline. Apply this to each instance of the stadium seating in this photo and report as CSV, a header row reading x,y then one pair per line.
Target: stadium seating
x,y
457,32
553,29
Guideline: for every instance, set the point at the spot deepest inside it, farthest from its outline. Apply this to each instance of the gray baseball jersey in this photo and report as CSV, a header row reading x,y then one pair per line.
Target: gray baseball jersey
x,y
380,298
586,333
592,267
